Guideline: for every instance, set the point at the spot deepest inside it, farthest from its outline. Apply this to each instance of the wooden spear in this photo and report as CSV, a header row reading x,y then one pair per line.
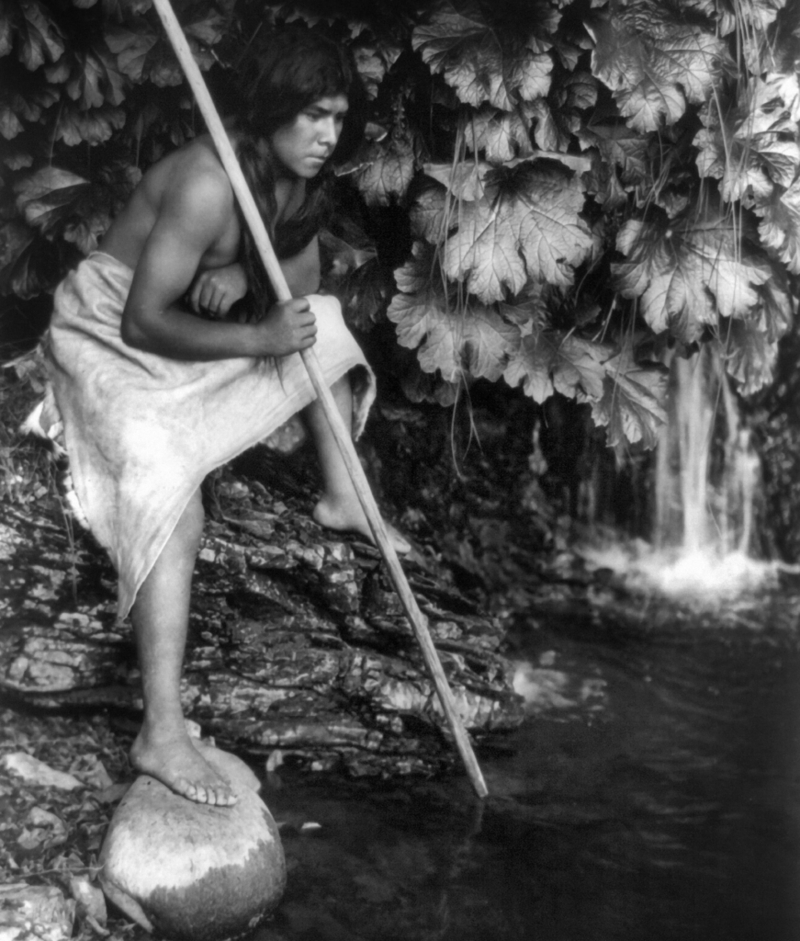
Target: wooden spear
x,y
360,483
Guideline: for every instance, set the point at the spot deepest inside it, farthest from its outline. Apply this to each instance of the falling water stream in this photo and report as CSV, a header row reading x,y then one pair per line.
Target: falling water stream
x,y
653,794
697,509
706,485
706,482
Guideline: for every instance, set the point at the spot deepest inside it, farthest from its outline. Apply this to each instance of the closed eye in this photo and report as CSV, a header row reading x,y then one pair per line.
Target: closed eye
x,y
318,115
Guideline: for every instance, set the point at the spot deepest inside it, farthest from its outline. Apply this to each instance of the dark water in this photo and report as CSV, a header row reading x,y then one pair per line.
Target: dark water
x,y
660,801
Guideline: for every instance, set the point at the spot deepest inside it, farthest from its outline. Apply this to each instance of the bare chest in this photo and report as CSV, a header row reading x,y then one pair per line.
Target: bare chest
x,y
225,250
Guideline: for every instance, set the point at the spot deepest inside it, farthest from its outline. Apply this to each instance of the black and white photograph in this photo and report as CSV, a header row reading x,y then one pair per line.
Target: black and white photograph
x,y
399,470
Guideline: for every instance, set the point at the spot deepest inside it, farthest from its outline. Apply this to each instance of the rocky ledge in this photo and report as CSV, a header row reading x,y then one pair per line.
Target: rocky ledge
x,y
299,649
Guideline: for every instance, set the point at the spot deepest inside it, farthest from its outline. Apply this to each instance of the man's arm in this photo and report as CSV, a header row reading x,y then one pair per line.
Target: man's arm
x,y
303,271
192,219
215,290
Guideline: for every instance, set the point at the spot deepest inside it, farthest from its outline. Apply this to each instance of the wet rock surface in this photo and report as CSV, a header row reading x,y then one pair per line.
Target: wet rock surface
x,y
298,645
194,872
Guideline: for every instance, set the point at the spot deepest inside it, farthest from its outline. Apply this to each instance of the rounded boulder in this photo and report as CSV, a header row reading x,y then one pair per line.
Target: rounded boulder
x,y
194,872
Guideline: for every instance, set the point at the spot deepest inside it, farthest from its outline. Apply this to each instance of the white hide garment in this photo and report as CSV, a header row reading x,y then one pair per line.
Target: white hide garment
x,y
142,430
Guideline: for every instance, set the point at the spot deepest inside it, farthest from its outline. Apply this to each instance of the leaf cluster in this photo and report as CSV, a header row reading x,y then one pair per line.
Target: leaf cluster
x,y
548,192
79,122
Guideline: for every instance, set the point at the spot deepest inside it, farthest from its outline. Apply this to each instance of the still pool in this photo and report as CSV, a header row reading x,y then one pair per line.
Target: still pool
x,y
656,799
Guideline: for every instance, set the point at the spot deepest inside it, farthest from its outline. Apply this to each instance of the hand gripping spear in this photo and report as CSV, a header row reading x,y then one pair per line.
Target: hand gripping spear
x,y
360,483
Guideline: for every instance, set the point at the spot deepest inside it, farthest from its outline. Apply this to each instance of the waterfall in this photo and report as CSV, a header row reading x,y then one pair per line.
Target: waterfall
x,y
707,472
705,482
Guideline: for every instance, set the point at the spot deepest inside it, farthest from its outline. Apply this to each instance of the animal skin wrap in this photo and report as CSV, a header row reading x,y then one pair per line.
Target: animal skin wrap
x,y
142,430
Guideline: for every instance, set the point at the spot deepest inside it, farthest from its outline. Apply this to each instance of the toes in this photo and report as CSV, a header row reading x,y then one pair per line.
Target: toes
x,y
400,543
191,791
186,774
184,787
215,795
224,797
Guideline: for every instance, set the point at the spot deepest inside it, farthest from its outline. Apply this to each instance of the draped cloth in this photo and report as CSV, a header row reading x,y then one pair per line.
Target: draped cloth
x,y
142,431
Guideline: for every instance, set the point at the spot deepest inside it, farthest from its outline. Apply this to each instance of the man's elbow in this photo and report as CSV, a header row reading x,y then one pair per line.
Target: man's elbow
x,y
133,334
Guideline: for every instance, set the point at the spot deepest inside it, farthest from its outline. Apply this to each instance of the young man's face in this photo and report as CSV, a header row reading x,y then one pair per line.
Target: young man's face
x,y
303,145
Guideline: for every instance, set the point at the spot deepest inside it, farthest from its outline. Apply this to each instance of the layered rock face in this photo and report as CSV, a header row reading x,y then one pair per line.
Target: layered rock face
x,y
298,645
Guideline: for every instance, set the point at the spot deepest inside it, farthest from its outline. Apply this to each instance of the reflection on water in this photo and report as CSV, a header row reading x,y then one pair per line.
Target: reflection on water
x,y
662,805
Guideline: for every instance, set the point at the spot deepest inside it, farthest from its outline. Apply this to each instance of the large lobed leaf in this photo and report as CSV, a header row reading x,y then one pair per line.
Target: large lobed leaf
x,y
501,135
386,169
619,146
753,145
626,396
89,77
452,338
25,99
481,63
44,196
696,274
373,60
38,40
143,53
92,126
780,225
632,405
749,355
753,17
653,64
550,360
526,226
56,202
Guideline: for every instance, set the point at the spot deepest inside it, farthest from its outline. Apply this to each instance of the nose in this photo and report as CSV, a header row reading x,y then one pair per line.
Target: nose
x,y
329,131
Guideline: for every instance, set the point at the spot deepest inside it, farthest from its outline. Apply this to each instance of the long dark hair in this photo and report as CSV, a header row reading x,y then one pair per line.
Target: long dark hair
x,y
292,69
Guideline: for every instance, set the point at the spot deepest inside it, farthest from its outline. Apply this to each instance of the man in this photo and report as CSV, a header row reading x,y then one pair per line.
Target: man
x,y
153,396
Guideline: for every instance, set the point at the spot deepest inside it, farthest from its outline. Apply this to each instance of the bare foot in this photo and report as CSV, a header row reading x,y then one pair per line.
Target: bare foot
x,y
174,761
345,517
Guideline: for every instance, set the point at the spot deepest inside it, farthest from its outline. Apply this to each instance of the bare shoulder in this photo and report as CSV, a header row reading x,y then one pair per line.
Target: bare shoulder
x,y
186,199
194,181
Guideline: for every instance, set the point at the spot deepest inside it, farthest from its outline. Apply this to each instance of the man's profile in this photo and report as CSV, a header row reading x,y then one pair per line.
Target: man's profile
x,y
157,383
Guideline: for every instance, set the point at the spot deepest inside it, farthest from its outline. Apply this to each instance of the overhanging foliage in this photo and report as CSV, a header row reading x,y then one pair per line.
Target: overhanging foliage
x,y
582,180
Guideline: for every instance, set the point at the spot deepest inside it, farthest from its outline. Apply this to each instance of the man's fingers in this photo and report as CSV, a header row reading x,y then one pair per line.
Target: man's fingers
x,y
208,296
199,296
217,302
305,315
194,297
211,298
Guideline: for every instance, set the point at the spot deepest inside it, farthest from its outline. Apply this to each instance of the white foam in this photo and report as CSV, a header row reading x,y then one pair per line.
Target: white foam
x,y
699,573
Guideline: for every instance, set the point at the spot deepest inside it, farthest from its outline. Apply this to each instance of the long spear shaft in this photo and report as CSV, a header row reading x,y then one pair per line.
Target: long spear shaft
x,y
360,483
